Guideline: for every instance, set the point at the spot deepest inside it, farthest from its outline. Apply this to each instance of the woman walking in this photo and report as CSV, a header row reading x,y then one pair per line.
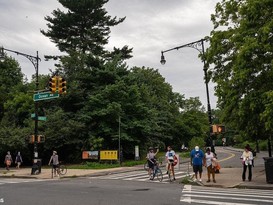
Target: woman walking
x,y
8,160
247,158
208,162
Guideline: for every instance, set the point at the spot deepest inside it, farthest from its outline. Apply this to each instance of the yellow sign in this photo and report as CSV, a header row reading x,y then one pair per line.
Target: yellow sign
x,y
109,155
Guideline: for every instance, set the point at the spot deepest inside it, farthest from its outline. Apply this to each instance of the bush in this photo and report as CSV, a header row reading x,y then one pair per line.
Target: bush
x,y
196,141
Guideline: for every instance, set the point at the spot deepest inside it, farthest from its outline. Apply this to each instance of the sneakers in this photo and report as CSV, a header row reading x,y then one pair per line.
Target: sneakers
x,y
214,181
208,181
200,180
167,172
174,179
195,180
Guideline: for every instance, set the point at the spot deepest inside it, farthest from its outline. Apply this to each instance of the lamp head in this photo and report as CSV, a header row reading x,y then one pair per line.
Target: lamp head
x,y
162,61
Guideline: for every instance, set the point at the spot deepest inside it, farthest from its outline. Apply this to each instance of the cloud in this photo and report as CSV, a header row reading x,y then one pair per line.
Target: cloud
x,y
150,27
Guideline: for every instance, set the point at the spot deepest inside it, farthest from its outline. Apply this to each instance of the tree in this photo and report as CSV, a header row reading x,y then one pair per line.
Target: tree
x,y
241,52
84,28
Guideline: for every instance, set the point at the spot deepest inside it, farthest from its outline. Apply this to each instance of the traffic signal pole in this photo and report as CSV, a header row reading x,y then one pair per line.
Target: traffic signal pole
x,y
35,62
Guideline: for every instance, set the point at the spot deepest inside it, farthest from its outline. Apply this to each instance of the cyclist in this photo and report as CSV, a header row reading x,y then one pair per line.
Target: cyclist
x,y
55,160
151,160
170,159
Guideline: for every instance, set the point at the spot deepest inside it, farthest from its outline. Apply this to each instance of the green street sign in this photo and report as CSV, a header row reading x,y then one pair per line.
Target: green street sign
x,y
40,118
45,96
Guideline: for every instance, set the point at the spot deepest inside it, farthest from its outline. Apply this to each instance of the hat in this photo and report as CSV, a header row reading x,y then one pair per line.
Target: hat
x,y
196,148
54,152
150,148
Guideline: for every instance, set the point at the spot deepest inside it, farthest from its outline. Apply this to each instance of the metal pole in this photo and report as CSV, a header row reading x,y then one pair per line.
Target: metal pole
x,y
207,87
35,61
196,45
35,150
119,140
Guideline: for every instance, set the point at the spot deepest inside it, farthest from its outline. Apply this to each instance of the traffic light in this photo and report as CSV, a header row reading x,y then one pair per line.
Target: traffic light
x,y
61,85
40,138
31,139
217,129
221,128
53,84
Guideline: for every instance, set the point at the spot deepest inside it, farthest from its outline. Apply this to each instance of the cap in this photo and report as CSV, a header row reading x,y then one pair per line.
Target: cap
x,y
55,152
150,148
196,148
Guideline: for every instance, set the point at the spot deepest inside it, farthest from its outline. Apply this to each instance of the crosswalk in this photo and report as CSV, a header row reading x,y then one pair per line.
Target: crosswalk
x,y
140,175
206,195
4,181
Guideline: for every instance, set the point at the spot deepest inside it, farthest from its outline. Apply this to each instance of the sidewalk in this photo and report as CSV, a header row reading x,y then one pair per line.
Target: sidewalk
x,y
227,178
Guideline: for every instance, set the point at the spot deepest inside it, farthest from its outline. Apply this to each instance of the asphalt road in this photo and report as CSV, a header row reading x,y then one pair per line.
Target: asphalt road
x,y
89,191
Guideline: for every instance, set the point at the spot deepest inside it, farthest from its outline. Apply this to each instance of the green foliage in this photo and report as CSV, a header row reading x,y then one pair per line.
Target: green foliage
x,y
196,141
241,53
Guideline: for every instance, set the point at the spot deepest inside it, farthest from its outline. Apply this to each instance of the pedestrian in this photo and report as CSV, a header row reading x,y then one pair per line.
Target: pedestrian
x,y
18,160
151,161
253,153
197,156
208,162
55,162
247,158
170,157
8,160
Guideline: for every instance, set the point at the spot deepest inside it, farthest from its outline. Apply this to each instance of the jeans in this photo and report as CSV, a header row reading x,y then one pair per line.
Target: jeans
x,y
249,172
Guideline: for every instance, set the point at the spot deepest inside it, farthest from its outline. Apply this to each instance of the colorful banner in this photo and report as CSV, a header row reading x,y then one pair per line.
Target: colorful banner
x,y
90,155
109,155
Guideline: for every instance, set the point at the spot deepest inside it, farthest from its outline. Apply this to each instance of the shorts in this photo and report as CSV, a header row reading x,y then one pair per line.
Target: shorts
x,y
197,168
55,166
150,164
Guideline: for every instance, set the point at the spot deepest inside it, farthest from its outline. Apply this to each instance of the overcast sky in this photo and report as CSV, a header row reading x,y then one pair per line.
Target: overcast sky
x,y
150,27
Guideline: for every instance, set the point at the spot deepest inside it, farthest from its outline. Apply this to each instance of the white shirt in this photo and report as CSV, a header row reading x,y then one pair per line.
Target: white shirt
x,y
170,154
209,158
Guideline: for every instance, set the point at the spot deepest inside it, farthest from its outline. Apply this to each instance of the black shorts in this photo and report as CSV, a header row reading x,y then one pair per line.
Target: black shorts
x,y
150,164
197,168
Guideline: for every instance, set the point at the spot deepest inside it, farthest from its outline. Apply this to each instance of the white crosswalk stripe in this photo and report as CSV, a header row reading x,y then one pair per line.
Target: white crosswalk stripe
x,y
140,175
19,180
207,195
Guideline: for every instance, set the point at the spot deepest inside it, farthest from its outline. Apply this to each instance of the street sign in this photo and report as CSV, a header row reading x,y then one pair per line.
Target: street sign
x,y
40,118
45,96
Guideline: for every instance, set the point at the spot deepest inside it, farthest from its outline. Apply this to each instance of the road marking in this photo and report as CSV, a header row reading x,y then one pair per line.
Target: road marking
x,y
206,195
232,155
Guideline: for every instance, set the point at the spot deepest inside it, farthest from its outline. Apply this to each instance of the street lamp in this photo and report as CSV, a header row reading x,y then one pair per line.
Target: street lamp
x,y
35,61
196,45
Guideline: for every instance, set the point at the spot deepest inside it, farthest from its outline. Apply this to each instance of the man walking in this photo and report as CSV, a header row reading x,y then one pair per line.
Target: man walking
x,y
197,156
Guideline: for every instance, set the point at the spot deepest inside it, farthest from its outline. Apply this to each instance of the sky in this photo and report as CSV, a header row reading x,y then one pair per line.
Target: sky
x,y
151,26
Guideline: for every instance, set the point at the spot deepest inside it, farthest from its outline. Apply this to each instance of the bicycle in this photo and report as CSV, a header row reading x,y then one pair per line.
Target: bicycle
x,y
146,166
60,169
157,172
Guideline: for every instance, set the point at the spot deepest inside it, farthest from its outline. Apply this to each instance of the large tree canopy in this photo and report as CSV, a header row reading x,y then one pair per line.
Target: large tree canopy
x,y
241,52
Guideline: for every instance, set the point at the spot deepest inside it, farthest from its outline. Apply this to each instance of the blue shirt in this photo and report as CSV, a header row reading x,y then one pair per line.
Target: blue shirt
x,y
197,157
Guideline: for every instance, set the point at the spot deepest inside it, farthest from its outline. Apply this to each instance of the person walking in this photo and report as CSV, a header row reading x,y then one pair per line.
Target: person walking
x,y
18,160
151,160
197,156
170,155
247,159
208,162
55,162
8,160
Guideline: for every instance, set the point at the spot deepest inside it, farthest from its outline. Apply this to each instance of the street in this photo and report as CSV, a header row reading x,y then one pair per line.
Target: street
x,y
130,188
